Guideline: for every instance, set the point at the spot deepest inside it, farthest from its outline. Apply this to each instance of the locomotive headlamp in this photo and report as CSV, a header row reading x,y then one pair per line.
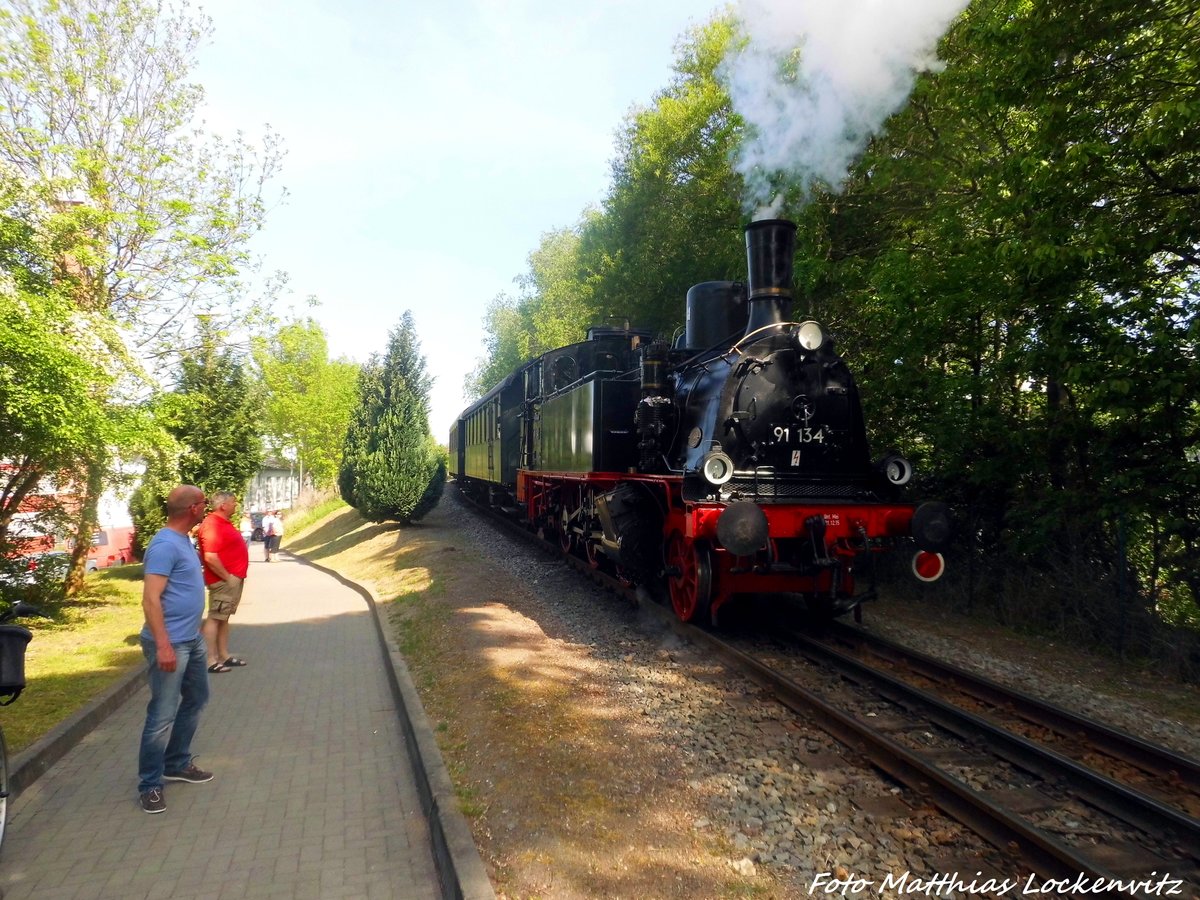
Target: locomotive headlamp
x,y
896,469
717,468
810,335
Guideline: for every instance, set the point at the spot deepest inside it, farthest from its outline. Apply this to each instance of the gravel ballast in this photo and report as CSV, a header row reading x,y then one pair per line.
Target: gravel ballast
x,y
760,791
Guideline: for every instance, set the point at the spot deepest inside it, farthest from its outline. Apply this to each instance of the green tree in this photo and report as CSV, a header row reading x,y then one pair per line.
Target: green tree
x,y
308,397
147,503
553,308
95,106
96,114
508,331
51,420
1015,259
392,468
214,415
671,219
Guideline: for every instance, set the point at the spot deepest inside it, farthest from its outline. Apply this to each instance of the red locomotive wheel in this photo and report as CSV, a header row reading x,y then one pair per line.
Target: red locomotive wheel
x,y
691,588
593,553
565,538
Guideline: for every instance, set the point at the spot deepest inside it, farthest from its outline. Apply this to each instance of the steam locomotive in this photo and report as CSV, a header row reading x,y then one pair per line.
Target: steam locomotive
x,y
732,462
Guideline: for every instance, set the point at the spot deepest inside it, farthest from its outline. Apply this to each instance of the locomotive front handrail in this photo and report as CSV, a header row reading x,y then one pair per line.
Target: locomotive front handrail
x,y
746,337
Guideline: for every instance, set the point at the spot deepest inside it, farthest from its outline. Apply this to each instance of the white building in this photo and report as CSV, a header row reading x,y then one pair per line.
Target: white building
x,y
276,486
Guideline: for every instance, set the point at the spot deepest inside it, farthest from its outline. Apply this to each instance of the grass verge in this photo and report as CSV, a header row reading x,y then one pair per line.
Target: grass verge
x,y
83,647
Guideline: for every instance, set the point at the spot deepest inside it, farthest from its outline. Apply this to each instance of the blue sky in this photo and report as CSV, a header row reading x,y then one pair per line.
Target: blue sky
x,y
430,147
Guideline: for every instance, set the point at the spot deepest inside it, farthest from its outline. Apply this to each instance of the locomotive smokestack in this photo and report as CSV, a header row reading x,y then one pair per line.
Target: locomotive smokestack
x,y
770,247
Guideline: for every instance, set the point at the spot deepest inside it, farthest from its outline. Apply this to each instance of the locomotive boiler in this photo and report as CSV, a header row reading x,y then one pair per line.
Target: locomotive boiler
x,y
734,461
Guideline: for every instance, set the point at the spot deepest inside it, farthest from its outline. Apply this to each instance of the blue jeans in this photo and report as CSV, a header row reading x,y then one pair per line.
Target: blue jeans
x,y
173,713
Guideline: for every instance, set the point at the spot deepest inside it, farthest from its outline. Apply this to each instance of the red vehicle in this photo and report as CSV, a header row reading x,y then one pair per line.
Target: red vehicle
x,y
110,547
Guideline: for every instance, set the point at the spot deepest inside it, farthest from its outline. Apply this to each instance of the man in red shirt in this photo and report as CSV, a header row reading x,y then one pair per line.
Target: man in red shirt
x,y
226,562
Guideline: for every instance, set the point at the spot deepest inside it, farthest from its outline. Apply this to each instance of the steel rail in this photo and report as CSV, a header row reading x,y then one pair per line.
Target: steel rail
x,y
1008,832
1126,803
1148,757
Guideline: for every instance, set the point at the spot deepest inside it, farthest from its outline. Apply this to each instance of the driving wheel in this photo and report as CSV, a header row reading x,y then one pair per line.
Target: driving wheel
x,y
690,583
593,552
564,531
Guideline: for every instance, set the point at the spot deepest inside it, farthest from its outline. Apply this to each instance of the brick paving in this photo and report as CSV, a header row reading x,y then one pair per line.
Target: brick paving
x,y
314,794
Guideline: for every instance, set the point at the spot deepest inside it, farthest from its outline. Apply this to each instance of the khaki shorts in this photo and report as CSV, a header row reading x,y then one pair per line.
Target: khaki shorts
x,y
223,599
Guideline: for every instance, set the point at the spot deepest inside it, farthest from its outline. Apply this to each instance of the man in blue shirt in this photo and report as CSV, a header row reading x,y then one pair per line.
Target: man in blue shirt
x,y
176,655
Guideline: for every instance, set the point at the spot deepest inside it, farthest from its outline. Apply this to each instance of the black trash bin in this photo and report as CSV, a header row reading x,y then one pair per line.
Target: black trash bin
x,y
14,639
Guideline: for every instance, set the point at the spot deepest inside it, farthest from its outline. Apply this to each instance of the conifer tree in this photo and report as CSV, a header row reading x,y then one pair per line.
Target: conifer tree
x,y
392,469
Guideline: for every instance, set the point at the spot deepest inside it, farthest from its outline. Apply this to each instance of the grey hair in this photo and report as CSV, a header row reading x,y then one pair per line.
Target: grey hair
x,y
220,498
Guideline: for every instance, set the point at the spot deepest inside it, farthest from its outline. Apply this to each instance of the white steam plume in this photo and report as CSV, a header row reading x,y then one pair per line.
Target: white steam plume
x,y
818,78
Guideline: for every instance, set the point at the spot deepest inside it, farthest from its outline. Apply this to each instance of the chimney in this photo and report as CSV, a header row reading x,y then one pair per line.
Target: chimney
x,y
770,248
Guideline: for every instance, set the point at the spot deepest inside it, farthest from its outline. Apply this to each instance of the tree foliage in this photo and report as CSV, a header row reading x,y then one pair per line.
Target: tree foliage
x,y
153,217
1012,271
670,220
52,415
672,215
308,397
392,467
1029,221
214,414
553,308
95,106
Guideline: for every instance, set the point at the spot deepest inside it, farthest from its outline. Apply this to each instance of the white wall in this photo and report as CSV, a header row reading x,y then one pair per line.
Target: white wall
x,y
271,489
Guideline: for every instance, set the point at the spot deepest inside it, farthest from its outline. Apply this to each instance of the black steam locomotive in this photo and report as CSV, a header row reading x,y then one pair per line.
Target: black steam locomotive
x,y
735,461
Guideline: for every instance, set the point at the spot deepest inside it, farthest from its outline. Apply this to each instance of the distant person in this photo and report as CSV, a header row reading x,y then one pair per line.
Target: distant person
x,y
173,602
226,562
278,533
272,531
247,529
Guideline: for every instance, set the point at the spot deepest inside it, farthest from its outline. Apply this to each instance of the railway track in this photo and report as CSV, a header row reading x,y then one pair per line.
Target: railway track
x,y
1158,772
1111,830
1081,827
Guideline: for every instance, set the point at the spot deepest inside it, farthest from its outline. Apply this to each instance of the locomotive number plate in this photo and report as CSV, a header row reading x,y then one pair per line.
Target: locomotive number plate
x,y
795,434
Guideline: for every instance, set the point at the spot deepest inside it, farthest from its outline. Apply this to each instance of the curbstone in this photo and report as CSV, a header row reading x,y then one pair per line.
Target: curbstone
x,y
35,760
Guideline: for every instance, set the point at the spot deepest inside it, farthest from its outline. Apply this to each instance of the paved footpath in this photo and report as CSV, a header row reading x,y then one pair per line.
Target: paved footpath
x,y
314,794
